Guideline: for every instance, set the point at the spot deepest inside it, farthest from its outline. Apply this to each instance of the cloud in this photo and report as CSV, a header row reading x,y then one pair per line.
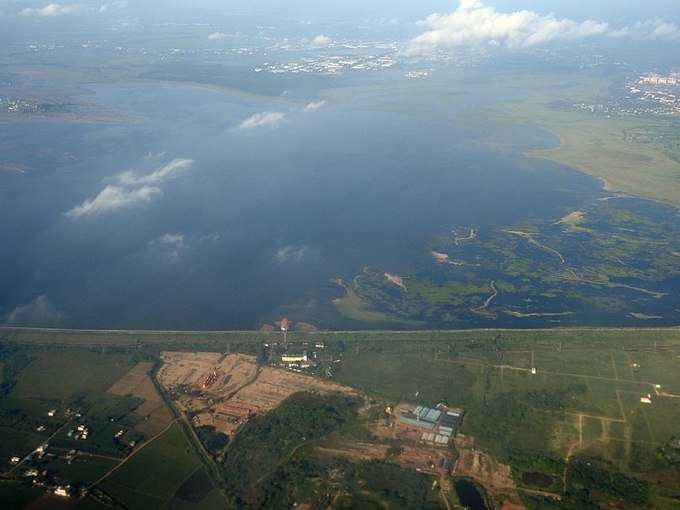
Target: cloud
x,y
216,36
321,40
121,4
291,253
172,169
130,190
315,105
212,238
115,198
38,313
270,120
474,23
172,245
51,10
655,29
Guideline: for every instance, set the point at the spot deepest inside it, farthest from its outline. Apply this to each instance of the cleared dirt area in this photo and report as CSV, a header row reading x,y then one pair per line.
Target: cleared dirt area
x,y
153,412
396,280
224,390
573,219
356,452
494,476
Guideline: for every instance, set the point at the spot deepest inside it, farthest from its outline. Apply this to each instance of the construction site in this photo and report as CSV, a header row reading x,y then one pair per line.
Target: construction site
x,y
225,390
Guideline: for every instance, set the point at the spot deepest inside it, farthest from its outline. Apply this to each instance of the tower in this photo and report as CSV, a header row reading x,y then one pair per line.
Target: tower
x,y
285,325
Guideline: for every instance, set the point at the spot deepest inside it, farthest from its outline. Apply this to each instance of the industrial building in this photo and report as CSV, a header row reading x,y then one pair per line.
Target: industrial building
x,y
439,425
421,417
294,358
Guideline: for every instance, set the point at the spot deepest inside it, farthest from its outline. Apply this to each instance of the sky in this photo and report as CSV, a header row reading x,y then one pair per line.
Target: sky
x,y
438,23
606,10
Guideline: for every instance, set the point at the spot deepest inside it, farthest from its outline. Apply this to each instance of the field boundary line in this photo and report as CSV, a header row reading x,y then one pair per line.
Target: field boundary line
x,y
142,447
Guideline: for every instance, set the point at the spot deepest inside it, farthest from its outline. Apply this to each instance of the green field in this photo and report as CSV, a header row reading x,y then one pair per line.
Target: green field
x,y
154,475
83,470
17,495
583,403
600,146
60,376
219,340
17,443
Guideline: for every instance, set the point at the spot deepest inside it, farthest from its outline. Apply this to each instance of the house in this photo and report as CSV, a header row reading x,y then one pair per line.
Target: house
x,y
62,491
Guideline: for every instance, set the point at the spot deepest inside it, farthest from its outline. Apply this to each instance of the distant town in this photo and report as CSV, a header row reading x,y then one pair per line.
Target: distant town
x,y
649,95
29,106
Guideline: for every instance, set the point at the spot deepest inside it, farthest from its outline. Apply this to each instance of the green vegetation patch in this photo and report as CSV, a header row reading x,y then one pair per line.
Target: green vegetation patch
x,y
592,484
63,375
268,442
401,376
82,470
196,488
16,443
631,154
152,476
537,469
104,418
620,268
382,485
214,440
18,495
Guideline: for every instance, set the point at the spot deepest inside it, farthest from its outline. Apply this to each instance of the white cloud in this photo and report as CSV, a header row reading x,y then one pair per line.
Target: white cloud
x,y
38,313
212,238
321,40
271,120
131,190
106,7
172,245
291,253
172,239
172,169
315,105
474,23
114,198
216,36
51,10
656,29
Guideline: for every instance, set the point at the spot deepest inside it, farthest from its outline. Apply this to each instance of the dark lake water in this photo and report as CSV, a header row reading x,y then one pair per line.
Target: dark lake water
x,y
469,495
264,218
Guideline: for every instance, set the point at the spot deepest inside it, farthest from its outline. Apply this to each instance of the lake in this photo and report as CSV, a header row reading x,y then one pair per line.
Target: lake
x,y
262,220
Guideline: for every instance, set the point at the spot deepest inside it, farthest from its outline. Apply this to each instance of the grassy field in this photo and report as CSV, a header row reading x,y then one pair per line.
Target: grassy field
x,y
583,402
584,399
17,443
43,381
16,495
83,470
153,476
220,340
52,375
596,145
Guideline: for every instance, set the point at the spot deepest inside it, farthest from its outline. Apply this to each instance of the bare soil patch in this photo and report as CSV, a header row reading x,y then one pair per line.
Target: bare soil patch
x,y
153,412
224,391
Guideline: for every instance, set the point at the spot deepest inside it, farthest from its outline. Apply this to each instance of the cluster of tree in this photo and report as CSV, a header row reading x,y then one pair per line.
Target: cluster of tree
x,y
14,359
214,440
323,482
555,399
592,483
527,464
269,442
671,451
